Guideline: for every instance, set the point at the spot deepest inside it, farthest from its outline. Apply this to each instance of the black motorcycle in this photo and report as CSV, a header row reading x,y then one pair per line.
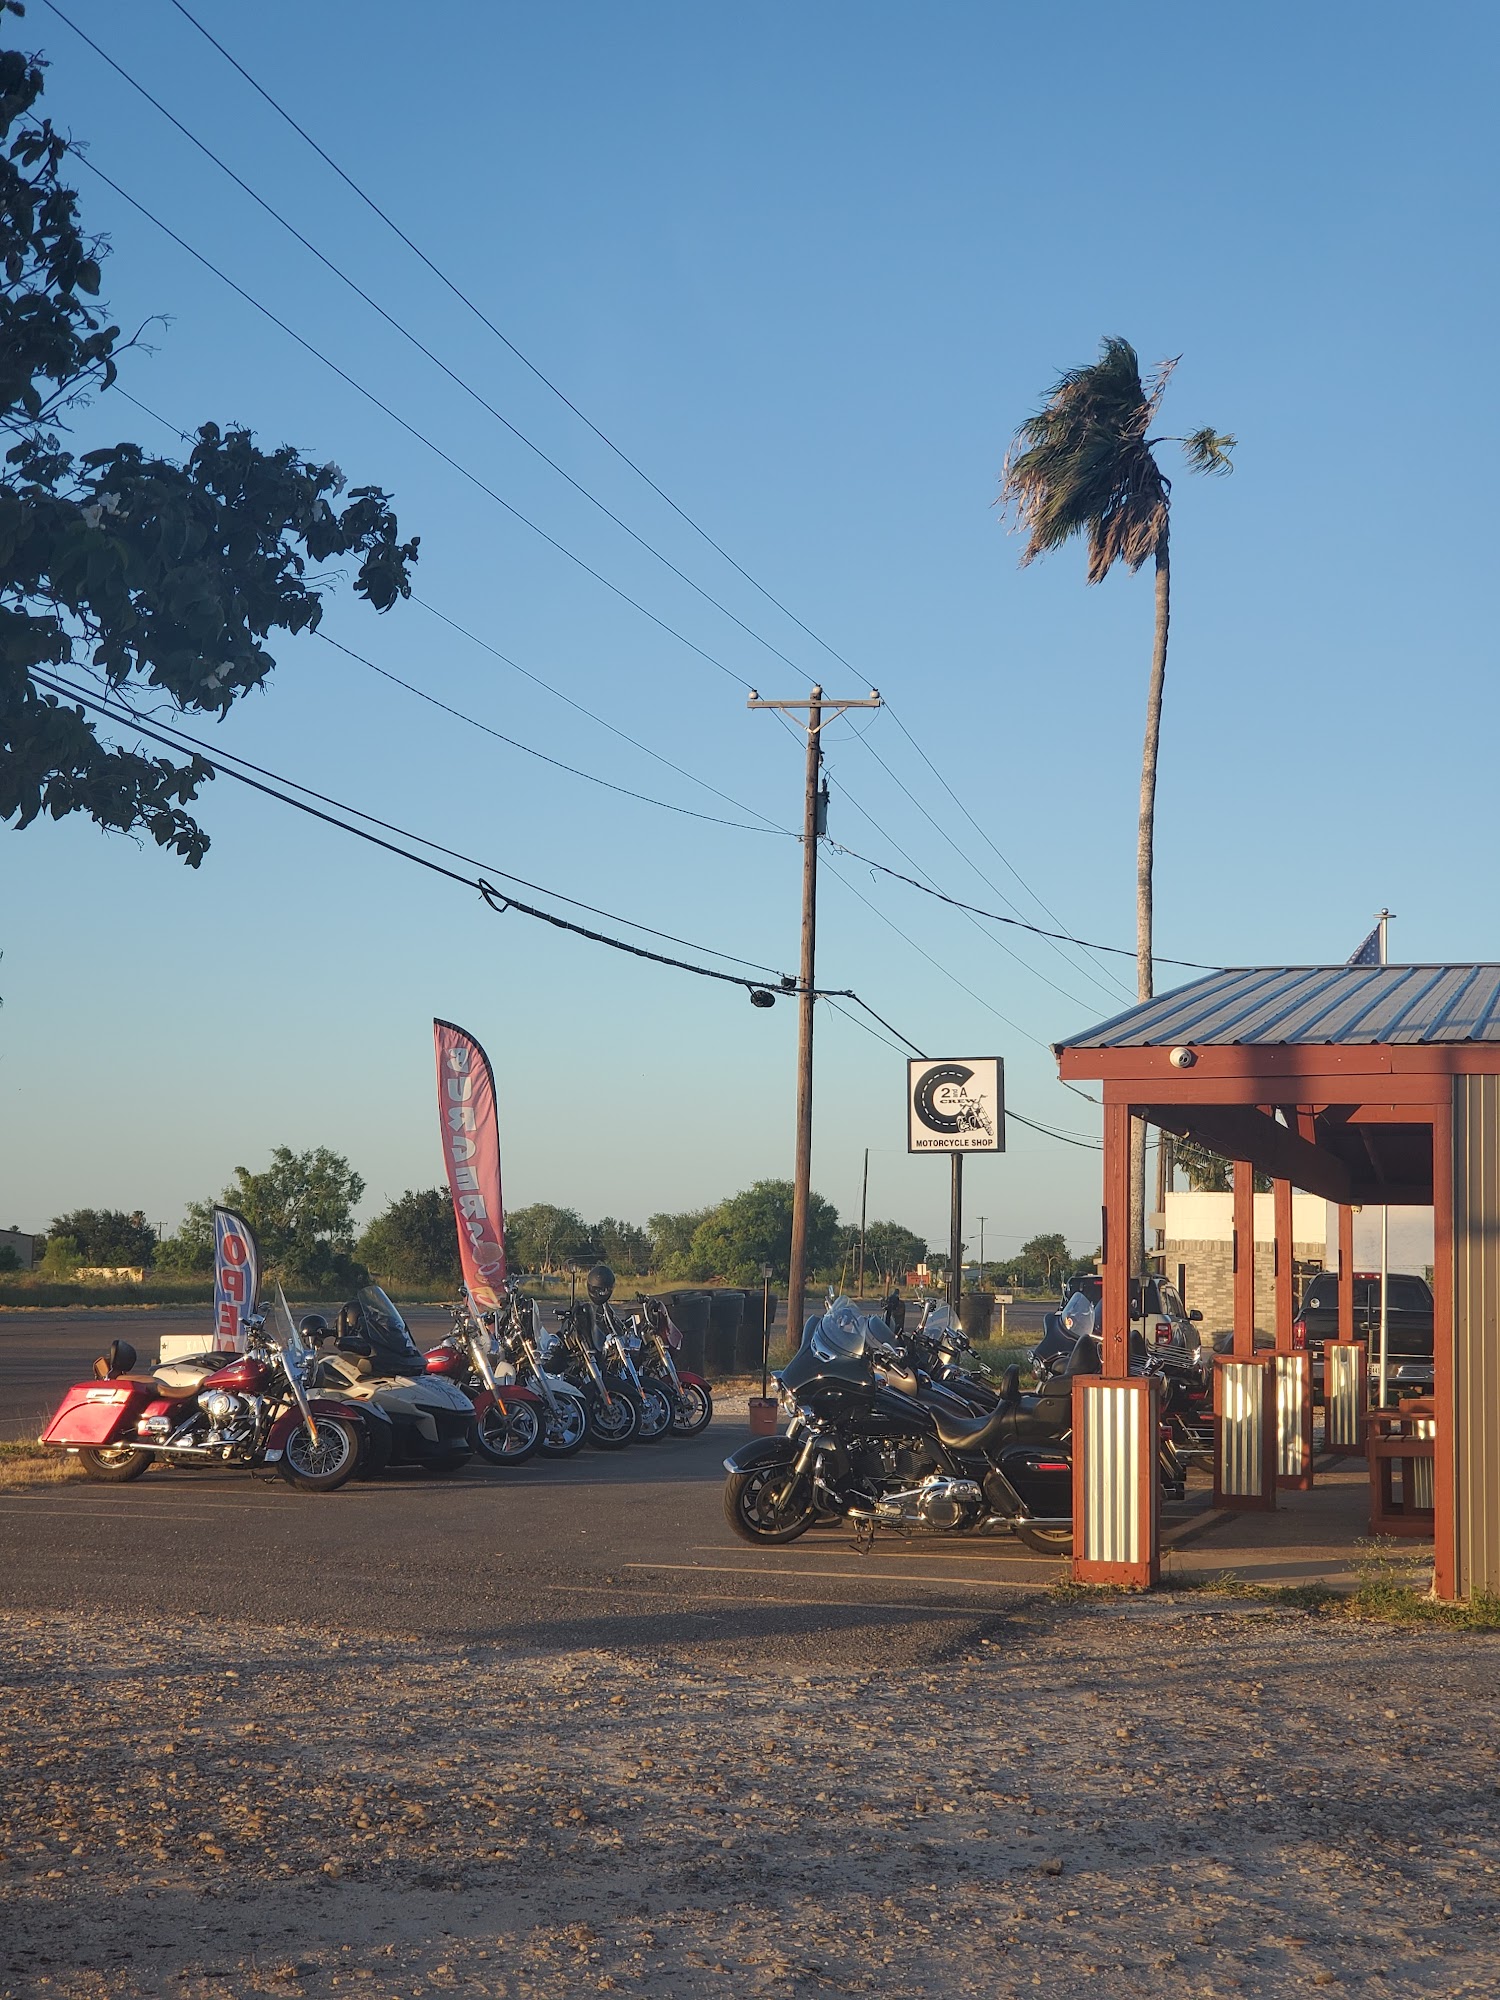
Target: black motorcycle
x,y
869,1442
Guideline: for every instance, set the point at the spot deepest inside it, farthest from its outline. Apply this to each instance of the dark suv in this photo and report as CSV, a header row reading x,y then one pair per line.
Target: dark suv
x,y
1409,1326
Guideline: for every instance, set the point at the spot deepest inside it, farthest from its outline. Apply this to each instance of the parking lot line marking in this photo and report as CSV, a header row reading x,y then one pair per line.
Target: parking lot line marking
x,y
89,1513
928,1609
814,1575
842,1548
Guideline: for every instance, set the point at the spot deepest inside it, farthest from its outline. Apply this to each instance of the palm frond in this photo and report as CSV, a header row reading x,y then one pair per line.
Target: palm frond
x,y
1083,465
1208,451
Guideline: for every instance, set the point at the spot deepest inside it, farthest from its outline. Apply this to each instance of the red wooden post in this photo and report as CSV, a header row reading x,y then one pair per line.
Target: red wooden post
x,y
1117,1241
1281,1205
1244,1260
1346,1272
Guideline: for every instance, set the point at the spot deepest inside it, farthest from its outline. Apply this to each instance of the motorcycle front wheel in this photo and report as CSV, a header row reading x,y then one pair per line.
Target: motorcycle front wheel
x,y
765,1505
115,1463
1046,1541
695,1410
323,1463
656,1413
615,1424
565,1432
508,1434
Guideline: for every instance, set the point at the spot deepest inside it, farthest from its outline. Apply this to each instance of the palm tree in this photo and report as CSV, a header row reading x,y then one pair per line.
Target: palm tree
x,y
1084,465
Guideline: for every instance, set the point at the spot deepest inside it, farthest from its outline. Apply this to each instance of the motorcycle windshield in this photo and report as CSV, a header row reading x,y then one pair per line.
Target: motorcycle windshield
x,y
840,1334
1079,1316
387,1330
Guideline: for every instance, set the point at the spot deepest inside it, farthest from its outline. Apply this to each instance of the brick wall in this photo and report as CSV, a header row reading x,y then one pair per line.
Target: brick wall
x,y
1209,1279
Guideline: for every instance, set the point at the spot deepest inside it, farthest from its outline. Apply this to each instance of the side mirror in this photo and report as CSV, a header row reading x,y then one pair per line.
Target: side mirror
x,y
1195,1316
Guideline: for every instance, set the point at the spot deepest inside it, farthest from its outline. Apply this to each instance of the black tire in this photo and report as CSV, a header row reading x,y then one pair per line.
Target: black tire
x,y
567,1433
1045,1541
322,1465
448,1463
613,1427
759,1509
695,1410
375,1454
508,1434
656,1414
114,1463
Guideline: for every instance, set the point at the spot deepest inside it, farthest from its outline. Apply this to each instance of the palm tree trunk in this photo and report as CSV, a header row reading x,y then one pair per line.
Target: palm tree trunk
x,y
1144,855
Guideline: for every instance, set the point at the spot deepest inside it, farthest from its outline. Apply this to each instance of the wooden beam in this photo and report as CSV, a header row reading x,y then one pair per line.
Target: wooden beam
x,y
1258,1088
1240,1132
1117,1242
1346,1273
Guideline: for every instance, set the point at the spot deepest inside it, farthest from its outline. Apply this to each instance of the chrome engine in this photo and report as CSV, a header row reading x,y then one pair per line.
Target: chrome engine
x,y
935,1503
231,1417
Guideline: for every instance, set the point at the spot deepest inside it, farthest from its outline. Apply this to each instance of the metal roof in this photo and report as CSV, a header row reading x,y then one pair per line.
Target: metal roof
x,y
1349,1004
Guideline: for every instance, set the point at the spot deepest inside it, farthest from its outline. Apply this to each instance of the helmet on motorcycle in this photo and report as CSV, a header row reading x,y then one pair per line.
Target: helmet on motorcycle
x,y
313,1328
351,1321
600,1282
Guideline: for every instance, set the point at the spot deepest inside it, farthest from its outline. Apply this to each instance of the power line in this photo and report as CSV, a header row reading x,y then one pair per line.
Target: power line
x,y
1020,923
589,777
412,431
1004,859
484,320
225,761
406,333
527,673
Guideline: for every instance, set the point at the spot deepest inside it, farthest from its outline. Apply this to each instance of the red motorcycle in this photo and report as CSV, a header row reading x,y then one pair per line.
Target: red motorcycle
x,y
248,1409
509,1420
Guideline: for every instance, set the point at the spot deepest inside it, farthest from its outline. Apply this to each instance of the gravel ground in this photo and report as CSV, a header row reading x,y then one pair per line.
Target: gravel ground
x,y
1094,1799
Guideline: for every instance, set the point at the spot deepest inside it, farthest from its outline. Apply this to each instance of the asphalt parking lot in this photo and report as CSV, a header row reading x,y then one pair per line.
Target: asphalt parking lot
x,y
627,1548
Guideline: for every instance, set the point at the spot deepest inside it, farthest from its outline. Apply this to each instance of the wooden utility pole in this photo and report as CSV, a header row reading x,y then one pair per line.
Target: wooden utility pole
x,y
814,820
864,1209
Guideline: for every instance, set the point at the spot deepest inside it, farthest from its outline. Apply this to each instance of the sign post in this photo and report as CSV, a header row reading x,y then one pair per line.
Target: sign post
x,y
955,1106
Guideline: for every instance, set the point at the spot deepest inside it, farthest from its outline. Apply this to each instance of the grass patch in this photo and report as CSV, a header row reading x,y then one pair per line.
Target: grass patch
x,y
1391,1590
26,1463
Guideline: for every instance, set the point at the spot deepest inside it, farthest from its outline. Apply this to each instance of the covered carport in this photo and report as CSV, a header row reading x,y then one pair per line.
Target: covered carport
x,y
1366,1085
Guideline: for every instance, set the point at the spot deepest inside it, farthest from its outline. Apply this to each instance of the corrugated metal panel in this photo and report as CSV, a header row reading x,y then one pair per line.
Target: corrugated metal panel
x,y
1346,1004
1291,1414
1112,1524
1241,1428
1344,1367
1476,1314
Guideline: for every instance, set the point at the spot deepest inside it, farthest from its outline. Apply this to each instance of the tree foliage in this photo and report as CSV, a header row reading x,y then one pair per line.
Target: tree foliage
x,y
672,1239
135,570
414,1241
105,1236
621,1245
301,1208
1208,1172
891,1251
1084,463
754,1228
544,1237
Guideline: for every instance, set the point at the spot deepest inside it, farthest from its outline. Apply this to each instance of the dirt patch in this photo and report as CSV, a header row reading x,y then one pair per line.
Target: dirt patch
x,y
1095,1803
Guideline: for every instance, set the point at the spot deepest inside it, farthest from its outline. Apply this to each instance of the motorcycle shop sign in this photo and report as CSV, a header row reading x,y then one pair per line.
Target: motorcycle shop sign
x,y
955,1105
470,1124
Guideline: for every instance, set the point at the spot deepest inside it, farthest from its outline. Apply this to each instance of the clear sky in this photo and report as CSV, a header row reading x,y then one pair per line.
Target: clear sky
x,y
809,266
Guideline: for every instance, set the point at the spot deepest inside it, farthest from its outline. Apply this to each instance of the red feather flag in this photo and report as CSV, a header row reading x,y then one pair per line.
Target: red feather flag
x,y
470,1124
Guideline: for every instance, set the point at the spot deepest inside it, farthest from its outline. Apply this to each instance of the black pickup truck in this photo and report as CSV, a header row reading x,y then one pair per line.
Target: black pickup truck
x,y
1409,1326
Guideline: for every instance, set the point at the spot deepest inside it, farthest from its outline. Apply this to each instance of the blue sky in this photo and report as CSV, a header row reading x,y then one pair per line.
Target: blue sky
x,y
809,266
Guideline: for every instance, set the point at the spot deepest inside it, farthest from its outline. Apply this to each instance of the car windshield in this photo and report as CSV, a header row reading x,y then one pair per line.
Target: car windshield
x,y
840,1334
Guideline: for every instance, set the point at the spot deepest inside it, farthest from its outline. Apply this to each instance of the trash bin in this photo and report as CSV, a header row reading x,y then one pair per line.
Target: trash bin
x,y
975,1314
726,1311
689,1312
747,1354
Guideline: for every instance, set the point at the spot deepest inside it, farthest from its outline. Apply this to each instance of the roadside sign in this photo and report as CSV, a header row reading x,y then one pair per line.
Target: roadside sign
x,y
956,1105
1005,1298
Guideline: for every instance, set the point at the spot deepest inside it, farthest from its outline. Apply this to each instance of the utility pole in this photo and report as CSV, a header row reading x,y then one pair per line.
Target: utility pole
x,y
981,1250
814,822
955,1238
864,1209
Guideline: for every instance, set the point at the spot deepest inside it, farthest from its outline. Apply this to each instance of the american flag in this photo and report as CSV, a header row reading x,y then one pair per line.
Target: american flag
x,y
1367,952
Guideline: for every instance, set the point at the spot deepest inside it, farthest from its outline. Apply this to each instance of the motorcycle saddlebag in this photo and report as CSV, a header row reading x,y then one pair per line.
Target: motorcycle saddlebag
x,y
1043,1476
98,1413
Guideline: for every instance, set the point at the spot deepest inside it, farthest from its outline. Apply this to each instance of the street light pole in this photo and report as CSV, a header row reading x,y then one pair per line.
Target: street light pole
x,y
814,822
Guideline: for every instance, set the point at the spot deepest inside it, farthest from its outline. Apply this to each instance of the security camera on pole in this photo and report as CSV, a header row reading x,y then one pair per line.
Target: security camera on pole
x,y
814,823
955,1106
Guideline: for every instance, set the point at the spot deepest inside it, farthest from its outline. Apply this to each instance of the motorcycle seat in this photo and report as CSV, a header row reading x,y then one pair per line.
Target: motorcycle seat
x,y
972,1433
176,1379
